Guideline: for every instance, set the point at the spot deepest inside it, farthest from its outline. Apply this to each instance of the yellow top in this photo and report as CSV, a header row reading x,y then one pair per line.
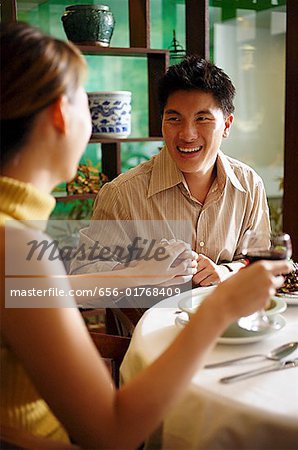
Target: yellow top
x,y
21,405
23,201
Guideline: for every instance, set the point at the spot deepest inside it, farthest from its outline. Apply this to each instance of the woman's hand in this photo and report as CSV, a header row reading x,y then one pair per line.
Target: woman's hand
x,y
250,289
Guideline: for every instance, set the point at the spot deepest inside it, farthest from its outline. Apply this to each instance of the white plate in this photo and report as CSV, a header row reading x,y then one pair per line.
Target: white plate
x,y
189,303
291,299
248,336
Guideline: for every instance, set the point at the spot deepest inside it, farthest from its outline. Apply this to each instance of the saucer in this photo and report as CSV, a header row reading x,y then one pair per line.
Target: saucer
x,y
189,303
235,335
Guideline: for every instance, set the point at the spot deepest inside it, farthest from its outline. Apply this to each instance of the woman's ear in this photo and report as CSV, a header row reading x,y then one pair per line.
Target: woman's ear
x,y
228,124
59,114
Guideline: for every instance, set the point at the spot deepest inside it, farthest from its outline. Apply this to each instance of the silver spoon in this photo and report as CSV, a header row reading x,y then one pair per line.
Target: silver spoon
x,y
274,355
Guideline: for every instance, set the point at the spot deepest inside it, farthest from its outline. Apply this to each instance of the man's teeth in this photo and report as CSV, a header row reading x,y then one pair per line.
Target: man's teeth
x,y
190,150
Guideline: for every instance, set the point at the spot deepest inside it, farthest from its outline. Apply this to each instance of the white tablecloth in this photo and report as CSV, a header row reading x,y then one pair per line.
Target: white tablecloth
x,y
257,413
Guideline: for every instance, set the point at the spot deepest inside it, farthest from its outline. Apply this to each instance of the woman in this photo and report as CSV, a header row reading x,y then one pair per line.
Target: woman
x,y
47,353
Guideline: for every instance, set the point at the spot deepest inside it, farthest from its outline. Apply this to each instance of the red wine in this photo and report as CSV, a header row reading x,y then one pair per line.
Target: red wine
x,y
270,255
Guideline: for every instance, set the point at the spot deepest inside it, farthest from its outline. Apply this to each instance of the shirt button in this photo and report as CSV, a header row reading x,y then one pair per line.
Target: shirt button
x,y
201,244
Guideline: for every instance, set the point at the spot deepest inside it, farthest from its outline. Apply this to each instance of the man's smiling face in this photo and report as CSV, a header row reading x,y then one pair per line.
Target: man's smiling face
x,y
193,127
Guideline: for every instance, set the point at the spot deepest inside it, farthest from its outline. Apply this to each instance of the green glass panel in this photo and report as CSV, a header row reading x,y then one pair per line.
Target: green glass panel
x,y
74,210
92,155
167,17
134,153
248,42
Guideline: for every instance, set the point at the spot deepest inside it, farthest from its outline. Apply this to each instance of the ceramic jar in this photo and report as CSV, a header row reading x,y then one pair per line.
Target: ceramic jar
x,y
111,113
88,24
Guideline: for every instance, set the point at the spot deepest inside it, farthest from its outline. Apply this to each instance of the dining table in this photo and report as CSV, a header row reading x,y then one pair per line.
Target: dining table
x,y
260,412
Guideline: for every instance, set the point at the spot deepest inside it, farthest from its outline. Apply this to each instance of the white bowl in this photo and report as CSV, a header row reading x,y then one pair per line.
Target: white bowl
x,y
191,300
111,114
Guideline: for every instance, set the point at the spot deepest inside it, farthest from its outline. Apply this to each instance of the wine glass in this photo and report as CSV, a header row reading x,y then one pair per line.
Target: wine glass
x,y
257,246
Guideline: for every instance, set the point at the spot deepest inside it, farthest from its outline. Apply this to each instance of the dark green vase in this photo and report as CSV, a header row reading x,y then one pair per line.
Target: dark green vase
x,y
88,24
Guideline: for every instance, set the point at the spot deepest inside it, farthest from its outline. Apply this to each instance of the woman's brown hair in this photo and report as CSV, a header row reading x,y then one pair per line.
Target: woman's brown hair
x,y
36,70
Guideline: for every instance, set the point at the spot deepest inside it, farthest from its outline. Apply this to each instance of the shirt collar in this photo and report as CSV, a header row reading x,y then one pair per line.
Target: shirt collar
x,y
225,171
165,173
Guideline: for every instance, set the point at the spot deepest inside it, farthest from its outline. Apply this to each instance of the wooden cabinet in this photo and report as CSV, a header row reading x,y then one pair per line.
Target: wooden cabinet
x,y
157,63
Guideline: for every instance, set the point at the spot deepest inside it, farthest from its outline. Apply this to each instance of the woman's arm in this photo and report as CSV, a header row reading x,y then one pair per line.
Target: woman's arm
x,y
57,352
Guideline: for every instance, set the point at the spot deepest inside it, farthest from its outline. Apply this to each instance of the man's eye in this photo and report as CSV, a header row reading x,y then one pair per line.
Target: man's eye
x,y
202,119
172,119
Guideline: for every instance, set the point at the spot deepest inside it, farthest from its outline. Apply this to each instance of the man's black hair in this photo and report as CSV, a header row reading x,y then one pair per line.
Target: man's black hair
x,y
196,73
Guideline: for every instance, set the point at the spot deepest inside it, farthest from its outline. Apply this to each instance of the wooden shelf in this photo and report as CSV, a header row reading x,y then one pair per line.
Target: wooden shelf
x,y
70,198
122,51
157,64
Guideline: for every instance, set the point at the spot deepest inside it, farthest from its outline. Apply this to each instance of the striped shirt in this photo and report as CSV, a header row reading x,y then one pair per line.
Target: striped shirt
x,y
156,190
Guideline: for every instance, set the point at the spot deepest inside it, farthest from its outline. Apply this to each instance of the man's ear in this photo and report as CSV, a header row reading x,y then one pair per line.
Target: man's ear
x,y
228,124
59,115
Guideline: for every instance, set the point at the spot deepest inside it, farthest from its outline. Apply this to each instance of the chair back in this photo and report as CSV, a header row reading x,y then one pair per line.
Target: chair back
x,y
112,349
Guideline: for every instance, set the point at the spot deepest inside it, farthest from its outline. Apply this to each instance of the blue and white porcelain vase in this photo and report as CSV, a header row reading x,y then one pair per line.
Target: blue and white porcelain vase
x,y
111,114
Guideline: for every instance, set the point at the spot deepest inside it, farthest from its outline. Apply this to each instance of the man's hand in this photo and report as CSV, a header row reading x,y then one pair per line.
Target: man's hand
x,y
209,273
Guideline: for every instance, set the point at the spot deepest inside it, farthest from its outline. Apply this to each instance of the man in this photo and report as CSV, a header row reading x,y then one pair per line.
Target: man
x,y
191,179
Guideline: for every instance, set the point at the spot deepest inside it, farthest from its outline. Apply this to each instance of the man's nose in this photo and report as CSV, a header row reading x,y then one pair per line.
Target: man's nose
x,y
188,131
